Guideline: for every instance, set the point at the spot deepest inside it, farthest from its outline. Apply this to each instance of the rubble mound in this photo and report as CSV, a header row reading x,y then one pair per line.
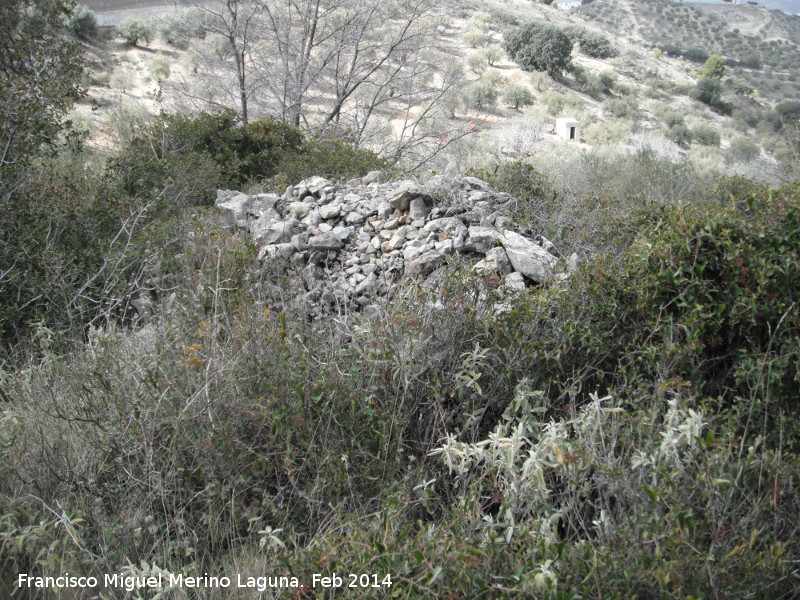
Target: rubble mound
x,y
355,241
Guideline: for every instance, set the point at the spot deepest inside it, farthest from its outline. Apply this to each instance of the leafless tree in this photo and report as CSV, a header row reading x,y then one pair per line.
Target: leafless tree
x,y
225,39
353,65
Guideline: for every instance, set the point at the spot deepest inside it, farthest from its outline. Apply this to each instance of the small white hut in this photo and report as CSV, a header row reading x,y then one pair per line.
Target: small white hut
x,y
568,128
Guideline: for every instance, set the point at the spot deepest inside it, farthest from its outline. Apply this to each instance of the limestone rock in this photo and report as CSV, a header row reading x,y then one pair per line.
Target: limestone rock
x,y
515,282
425,263
419,208
271,229
528,257
325,241
238,208
343,232
496,261
313,185
330,211
407,192
480,239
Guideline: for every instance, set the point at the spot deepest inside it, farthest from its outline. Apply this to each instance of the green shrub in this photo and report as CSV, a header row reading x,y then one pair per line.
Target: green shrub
x,y
721,285
621,109
134,31
594,85
608,81
518,95
330,157
680,134
672,118
789,110
482,94
709,91
521,180
744,118
539,47
82,22
739,86
171,159
591,43
227,154
743,150
706,135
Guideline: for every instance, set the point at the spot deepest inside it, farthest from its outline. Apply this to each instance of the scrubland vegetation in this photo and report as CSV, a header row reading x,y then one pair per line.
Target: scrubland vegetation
x,y
629,432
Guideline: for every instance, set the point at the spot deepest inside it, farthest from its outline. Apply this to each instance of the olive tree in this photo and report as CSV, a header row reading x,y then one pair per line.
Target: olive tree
x,y
518,95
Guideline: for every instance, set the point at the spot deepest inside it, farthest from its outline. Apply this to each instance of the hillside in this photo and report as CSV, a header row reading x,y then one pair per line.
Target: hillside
x,y
640,96
761,45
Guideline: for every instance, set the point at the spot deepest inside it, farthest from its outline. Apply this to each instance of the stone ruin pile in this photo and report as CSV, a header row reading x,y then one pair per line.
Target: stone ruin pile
x,y
353,242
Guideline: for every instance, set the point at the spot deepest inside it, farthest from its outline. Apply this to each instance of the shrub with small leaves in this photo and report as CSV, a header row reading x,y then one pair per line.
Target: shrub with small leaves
x,y
482,94
680,134
709,91
159,68
518,95
739,86
134,31
591,43
82,22
621,109
743,150
706,135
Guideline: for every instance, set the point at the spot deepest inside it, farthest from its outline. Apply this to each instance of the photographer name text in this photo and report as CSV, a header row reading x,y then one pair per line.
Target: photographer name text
x,y
162,581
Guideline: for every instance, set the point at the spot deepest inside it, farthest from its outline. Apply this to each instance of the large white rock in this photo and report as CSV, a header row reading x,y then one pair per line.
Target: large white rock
x,y
425,264
528,257
330,211
343,232
480,239
325,241
449,225
496,261
299,209
269,229
514,283
407,192
237,209
314,185
233,208
418,208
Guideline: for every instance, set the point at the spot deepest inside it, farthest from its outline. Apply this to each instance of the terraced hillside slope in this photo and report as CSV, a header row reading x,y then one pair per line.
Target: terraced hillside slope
x,y
760,45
